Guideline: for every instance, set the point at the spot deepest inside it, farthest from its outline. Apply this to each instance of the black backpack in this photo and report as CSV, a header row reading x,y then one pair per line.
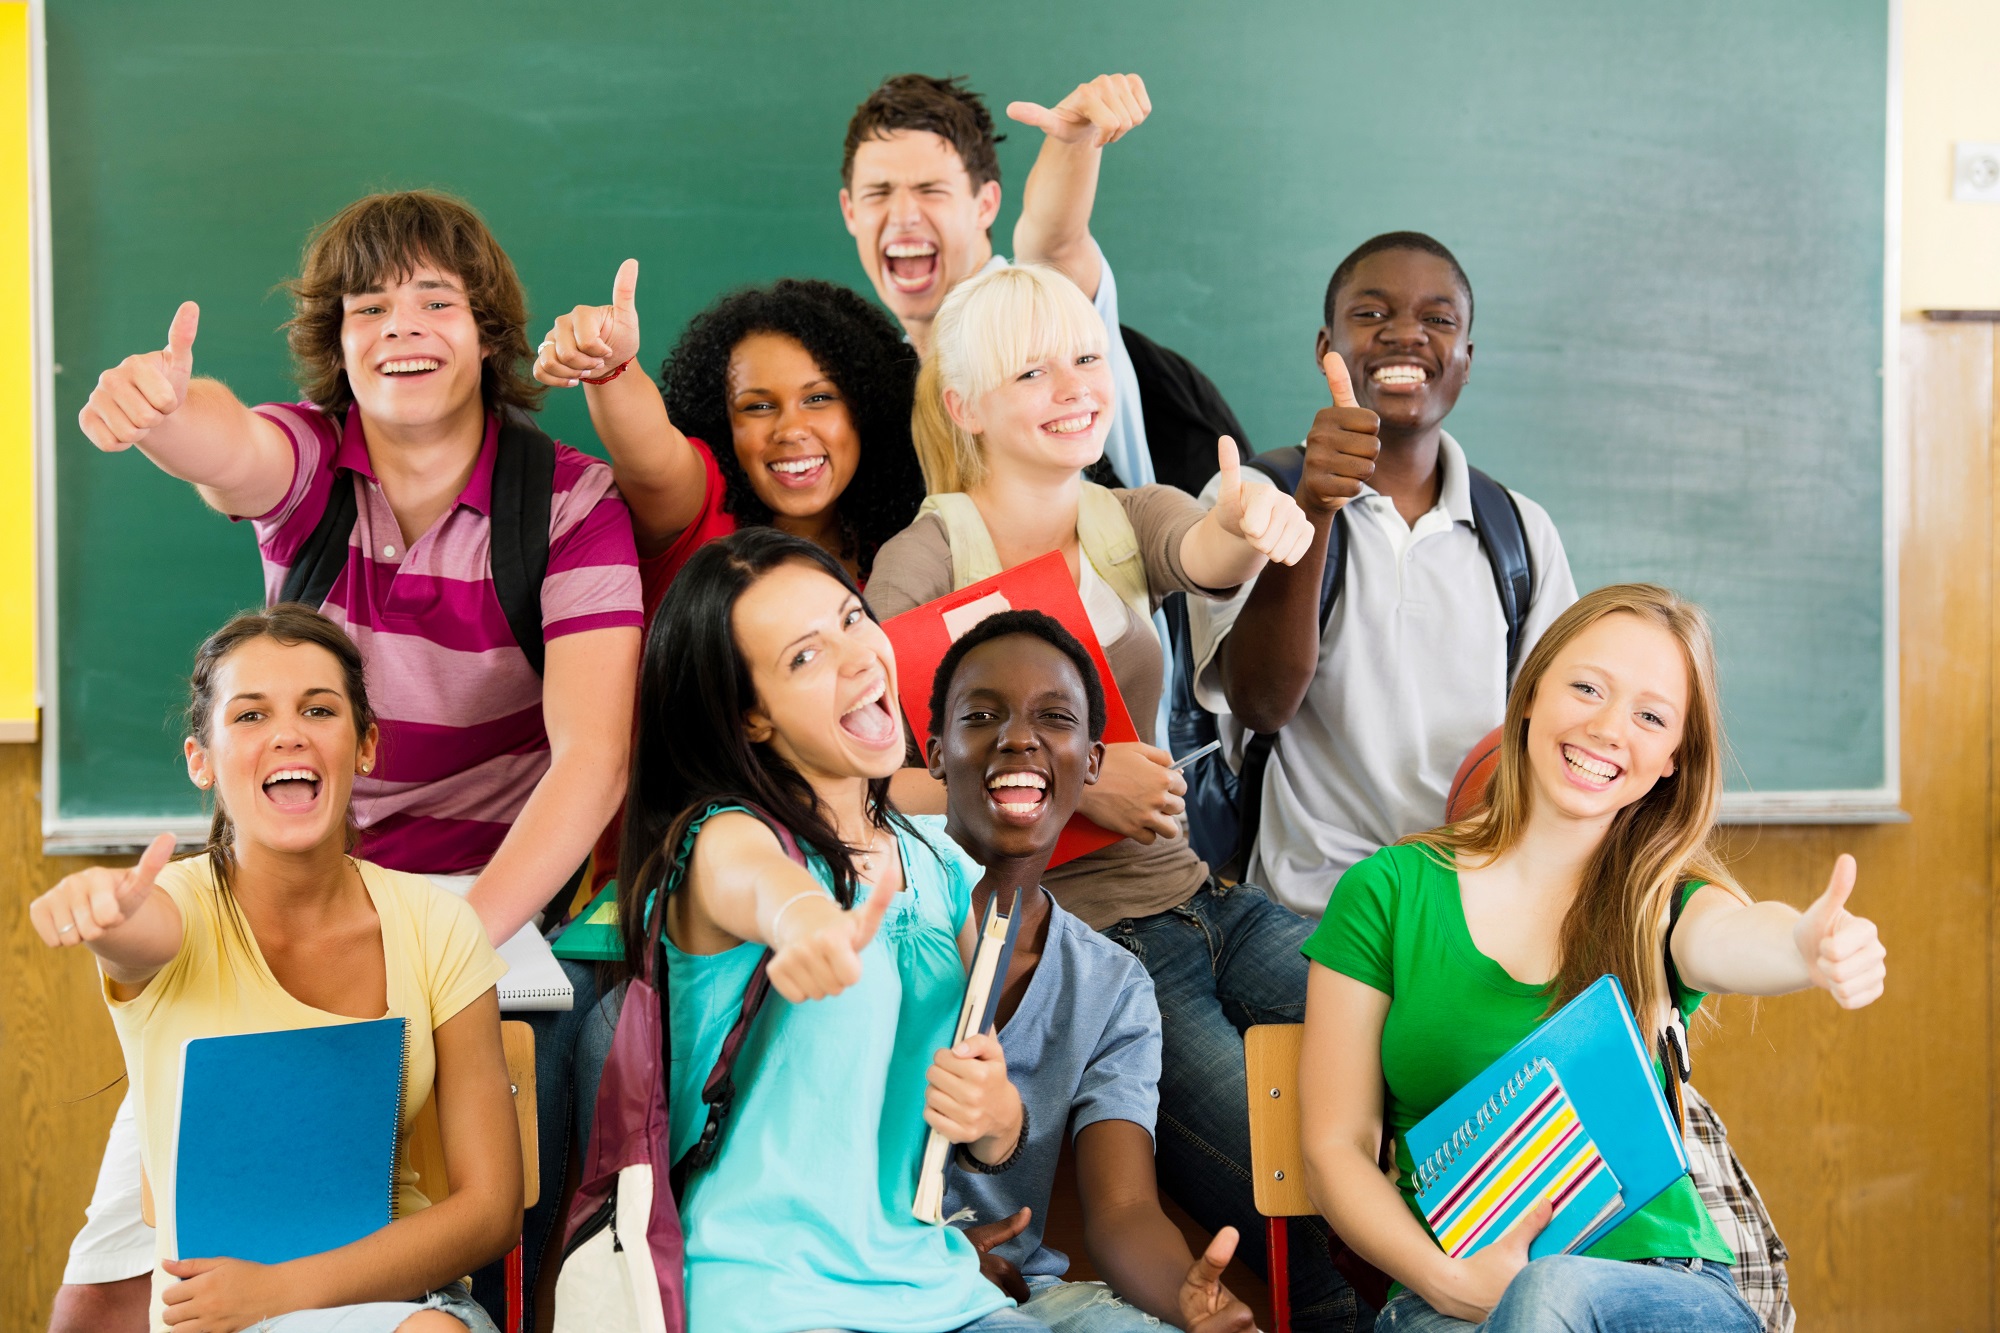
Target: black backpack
x,y
1185,413
523,488
1222,806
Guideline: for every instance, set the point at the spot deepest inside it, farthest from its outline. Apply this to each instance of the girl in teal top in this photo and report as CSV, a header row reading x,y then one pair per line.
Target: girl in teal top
x,y
767,683
1437,956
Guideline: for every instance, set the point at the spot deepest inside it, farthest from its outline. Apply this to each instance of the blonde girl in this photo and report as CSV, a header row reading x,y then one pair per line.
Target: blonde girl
x,y
1437,955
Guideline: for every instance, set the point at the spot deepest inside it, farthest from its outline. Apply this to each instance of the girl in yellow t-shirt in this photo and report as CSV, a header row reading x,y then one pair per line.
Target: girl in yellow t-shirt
x,y
275,926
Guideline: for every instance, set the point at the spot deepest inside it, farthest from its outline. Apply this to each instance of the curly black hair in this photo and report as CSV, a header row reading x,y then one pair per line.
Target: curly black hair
x,y
859,349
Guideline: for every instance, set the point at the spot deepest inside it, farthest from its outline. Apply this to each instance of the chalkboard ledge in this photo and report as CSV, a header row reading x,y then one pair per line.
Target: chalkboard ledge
x,y
1882,806
1963,316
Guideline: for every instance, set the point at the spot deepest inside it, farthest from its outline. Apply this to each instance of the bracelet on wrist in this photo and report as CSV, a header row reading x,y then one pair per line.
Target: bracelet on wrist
x,y
606,379
970,1161
785,907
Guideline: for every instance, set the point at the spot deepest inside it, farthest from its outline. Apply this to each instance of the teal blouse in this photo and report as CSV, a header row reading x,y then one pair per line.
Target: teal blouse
x,y
803,1218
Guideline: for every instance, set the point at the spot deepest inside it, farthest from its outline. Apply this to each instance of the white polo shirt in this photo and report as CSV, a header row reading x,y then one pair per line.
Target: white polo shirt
x,y
1412,672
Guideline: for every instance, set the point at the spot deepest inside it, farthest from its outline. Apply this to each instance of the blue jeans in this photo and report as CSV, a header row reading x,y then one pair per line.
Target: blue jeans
x,y
1006,1319
1568,1293
379,1316
560,1077
1224,960
1083,1307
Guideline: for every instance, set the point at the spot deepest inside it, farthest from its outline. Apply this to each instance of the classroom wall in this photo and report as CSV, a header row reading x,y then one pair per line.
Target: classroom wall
x,y
18,700
1951,91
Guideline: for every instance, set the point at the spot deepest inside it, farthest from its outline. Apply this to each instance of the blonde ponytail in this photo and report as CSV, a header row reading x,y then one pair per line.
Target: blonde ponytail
x,y
951,459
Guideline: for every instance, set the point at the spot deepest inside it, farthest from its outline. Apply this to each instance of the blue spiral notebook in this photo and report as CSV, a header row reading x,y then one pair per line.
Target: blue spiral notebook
x,y
1526,1143
286,1143
1597,1059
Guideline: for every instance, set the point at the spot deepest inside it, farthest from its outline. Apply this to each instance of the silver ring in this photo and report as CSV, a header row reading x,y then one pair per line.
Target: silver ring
x,y
546,344
64,930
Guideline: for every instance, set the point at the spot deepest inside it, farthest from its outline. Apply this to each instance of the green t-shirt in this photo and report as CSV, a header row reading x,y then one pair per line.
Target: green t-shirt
x,y
1396,923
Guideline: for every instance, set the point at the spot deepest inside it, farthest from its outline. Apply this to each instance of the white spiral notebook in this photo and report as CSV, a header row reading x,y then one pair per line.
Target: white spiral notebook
x,y
534,978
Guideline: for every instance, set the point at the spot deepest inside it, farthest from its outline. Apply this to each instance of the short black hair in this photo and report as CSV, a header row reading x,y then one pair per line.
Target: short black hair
x,y
1397,240
859,349
1037,624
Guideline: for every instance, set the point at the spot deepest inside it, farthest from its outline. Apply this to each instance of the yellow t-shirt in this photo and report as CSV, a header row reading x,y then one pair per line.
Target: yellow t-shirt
x,y
437,960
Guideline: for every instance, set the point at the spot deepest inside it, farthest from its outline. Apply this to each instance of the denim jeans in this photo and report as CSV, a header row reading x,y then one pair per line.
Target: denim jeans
x,y
1006,1319
1568,1293
559,1078
1083,1307
379,1316
1227,959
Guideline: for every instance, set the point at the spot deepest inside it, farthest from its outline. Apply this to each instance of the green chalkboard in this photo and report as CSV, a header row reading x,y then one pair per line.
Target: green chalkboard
x,y
1673,216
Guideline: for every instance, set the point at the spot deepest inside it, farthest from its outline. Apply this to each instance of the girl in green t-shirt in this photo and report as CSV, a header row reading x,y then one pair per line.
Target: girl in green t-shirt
x,y
1437,956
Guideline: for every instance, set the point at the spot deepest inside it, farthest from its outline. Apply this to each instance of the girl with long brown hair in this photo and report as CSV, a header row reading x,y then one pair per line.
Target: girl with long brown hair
x,y
1436,956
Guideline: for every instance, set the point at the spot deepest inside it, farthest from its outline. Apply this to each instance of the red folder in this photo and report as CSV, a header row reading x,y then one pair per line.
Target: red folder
x,y
922,635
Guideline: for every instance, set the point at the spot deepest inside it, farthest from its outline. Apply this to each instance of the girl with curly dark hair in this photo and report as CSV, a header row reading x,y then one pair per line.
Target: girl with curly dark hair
x,y
793,377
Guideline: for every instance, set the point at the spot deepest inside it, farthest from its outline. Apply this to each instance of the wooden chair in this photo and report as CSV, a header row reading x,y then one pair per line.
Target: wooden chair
x,y
424,1150
1277,1159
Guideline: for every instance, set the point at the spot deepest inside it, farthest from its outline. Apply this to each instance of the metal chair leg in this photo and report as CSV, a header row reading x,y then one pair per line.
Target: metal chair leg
x,y
1279,1271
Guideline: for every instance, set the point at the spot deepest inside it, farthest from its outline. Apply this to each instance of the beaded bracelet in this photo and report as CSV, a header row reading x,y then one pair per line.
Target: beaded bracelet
x,y
614,374
973,1164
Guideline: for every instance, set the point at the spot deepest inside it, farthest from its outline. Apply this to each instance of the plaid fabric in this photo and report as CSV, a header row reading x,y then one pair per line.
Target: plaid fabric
x,y
1740,1215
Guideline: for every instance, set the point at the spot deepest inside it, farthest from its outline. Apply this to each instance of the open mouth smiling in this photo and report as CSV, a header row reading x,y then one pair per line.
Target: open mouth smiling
x,y
799,474
1587,770
1018,795
1399,377
1078,423
405,366
293,788
910,266
869,720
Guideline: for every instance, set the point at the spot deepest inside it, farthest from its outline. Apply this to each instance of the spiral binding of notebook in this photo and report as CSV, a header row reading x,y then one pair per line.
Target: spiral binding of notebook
x,y
1434,1166
1523,1144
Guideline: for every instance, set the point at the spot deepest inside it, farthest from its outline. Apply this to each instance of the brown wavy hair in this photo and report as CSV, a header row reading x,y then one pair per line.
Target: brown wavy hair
x,y
289,623
385,237
1655,846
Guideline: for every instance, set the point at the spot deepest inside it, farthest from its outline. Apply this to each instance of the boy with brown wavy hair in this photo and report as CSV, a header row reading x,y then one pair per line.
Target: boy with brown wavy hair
x,y
396,497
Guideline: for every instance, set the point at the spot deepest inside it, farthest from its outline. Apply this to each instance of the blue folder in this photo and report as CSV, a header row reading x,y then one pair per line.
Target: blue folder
x,y
286,1142
1606,1068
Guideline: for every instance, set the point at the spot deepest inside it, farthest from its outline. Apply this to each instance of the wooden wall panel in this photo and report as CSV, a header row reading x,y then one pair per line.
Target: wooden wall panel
x,y
57,1051
1871,1134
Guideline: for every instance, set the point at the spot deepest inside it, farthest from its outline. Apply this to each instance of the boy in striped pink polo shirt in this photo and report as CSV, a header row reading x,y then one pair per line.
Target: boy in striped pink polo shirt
x,y
408,331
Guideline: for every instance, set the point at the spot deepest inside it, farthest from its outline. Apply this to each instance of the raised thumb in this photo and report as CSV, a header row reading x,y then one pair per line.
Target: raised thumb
x,y
1032,114
1338,380
180,335
625,287
1839,887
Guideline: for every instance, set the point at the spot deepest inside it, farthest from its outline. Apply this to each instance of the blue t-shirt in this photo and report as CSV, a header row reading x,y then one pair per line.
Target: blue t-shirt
x,y
1084,1046
803,1219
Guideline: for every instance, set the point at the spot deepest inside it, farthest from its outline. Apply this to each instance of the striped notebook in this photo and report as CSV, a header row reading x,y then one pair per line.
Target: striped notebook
x,y
1525,1143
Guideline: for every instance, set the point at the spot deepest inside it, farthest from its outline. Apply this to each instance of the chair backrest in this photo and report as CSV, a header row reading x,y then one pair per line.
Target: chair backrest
x,y
425,1146
1277,1159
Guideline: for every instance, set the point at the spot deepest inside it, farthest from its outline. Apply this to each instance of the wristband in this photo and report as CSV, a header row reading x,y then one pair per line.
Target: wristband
x,y
786,906
971,1163
614,374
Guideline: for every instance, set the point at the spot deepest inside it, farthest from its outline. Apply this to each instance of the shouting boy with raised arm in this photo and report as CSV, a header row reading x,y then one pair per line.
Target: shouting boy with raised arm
x,y
1017,717
504,728
920,188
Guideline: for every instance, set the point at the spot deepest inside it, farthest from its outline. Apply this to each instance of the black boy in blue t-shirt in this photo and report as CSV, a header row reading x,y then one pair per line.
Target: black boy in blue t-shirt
x,y
1017,713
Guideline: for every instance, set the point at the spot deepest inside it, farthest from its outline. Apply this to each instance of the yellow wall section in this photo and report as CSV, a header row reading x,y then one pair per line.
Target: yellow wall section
x,y
1951,91
17,433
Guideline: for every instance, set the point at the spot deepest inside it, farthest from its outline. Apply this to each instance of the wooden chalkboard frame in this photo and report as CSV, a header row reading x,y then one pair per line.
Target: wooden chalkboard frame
x,y
115,833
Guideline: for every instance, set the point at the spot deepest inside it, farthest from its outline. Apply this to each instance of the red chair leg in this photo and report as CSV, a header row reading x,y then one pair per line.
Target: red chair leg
x,y
515,1314
1279,1271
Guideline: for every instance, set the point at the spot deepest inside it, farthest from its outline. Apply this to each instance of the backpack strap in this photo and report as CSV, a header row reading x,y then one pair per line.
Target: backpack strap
x,y
1676,1061
1501,534
973,556
1104,531
317,565
719,1092
524,474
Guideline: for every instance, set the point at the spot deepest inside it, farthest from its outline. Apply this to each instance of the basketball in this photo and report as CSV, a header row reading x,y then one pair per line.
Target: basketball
x,y
1468,789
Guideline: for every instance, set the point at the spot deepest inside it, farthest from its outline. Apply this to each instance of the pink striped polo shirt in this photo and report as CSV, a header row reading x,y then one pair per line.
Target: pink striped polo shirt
x,y
460,708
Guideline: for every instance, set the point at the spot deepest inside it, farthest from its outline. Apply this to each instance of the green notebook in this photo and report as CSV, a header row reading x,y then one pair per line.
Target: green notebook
x,y
594,936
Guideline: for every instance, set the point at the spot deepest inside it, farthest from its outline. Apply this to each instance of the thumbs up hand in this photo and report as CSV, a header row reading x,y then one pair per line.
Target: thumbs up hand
x,y
1265,517
83,907
591,341
141,391
1843,954
816,944
1098,113
1341,447
1206,1305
